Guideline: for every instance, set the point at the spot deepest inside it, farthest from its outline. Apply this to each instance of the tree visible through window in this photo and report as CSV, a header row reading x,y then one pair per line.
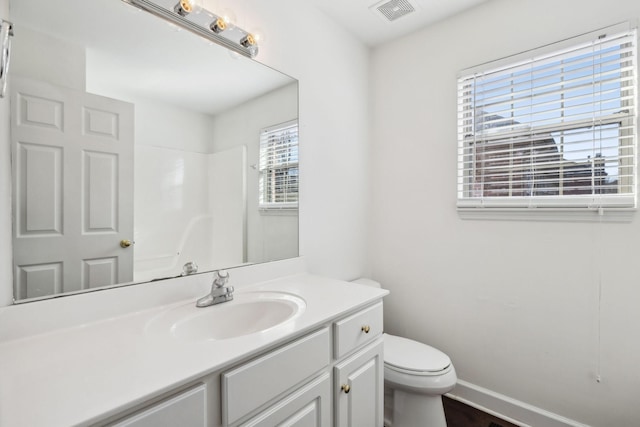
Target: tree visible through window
x,y
278,184
554,129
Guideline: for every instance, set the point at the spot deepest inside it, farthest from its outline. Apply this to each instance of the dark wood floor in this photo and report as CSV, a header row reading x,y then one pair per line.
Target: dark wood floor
x,y
460,415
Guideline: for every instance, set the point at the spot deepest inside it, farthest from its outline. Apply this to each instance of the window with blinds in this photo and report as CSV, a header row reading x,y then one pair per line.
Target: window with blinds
x,y
278,167
555,127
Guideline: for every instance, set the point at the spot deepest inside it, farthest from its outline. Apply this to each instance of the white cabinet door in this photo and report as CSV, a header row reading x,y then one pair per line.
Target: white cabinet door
x,y
359,387
187,409
307,407
72,155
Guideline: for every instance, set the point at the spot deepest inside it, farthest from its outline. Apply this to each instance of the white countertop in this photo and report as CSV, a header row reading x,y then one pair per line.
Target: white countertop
x,y
76,375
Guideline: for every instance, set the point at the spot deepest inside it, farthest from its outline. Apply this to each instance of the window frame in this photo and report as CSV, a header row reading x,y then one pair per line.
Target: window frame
x,y
554,204
271,206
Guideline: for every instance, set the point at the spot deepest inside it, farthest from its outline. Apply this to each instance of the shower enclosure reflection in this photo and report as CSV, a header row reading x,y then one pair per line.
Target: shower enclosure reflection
x,y
143,134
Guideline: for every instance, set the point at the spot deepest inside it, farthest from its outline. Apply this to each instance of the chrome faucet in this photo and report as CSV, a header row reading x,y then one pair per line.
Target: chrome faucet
x,y
219,292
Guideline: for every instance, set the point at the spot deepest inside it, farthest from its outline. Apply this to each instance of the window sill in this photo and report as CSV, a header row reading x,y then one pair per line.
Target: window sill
x,y
279,212
619,215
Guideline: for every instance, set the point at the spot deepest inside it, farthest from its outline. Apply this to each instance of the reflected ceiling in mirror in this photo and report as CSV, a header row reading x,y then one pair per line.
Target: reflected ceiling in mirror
x,y
126,129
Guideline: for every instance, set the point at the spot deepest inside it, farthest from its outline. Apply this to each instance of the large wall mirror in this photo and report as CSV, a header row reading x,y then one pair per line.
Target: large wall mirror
x,y
136,150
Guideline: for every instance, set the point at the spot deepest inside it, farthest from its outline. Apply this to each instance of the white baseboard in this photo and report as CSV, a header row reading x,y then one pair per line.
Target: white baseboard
x,y
511,410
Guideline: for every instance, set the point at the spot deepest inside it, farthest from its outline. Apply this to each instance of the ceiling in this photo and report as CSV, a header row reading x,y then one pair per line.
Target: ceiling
x,y
132,52
373,29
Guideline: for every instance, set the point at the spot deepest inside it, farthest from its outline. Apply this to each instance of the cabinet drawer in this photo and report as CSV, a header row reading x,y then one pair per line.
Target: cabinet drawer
x,y
357,329
187,409
253,384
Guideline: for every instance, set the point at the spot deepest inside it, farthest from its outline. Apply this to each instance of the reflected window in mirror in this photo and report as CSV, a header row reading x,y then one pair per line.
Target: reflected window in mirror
x,y
278,183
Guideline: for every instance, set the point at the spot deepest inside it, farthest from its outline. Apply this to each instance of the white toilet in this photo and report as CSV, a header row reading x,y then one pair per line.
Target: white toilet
x,y
415,378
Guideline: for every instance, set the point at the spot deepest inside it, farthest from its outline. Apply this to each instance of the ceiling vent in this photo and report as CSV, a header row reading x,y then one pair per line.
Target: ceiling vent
x,y
391,10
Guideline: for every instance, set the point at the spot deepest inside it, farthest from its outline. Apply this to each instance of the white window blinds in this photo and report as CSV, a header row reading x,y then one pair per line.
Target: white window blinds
x,y
278,183
555,129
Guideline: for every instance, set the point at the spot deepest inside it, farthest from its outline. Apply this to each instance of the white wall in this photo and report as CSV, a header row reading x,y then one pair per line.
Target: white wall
x,y
332,68
6,291
514,303
36,55
270,236
164,125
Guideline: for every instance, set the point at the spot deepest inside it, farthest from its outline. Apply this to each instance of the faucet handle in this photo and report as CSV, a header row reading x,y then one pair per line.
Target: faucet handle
x,y
189,268
221,277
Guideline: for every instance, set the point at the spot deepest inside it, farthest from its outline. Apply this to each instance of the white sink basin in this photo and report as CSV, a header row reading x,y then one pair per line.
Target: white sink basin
x,y
247,313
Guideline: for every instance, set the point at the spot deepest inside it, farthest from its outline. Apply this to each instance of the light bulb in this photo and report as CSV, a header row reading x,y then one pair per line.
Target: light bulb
x,y
218,26
248,40
258,34
185,7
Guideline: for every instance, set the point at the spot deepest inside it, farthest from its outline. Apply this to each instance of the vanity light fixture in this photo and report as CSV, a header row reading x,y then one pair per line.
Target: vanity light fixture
x,y
190,15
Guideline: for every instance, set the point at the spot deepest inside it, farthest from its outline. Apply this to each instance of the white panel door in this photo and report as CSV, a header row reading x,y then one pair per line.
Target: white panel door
x,y
72,158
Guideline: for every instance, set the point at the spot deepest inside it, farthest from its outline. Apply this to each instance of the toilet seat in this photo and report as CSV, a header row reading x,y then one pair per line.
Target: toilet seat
x,y
413,358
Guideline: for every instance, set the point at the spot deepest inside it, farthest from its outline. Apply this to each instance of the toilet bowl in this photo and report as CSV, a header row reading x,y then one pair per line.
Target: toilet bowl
x,y
415,378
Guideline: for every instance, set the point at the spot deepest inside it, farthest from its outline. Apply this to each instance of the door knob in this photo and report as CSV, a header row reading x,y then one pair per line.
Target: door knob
x,y
125,243
346,388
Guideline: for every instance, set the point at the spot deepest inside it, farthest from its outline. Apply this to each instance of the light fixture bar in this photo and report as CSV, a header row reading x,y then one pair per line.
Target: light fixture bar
x,y
177,19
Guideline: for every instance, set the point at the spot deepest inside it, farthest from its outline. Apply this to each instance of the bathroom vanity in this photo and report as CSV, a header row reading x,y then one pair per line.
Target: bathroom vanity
x,y
300,350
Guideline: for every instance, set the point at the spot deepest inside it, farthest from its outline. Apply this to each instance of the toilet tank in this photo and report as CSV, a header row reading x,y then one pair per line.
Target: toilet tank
x,y
367,282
